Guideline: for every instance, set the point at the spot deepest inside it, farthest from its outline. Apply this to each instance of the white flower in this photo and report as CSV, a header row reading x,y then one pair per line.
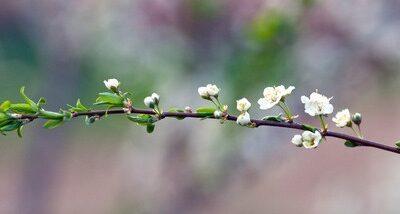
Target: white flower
x,y
317,104
272,96
149,102
311,140
212,90
297,140
209,90
112,84
342,118
243,104
156,98
243,119
217,114
203,92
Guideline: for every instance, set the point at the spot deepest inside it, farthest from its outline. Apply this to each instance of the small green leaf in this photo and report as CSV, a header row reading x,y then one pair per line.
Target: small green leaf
x,y
28,100
22,108
206,112
90,120
111,99
397,143
78,107
350,144
51,124
19,131
5,106
51,115
177,110
41,102
4,116
142,119
150,128
309,128
277,118
11,126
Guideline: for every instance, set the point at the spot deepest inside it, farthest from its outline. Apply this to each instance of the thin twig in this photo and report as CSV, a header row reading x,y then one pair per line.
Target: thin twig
x,y
257,123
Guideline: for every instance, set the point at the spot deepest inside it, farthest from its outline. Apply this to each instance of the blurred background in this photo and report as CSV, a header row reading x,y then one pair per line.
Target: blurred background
x,y
63,50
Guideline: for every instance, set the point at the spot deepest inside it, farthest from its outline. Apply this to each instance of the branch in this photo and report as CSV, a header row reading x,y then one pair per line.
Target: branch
x,y
13,116
257,123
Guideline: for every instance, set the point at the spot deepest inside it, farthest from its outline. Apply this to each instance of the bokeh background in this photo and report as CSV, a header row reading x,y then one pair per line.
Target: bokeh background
x,y
65,49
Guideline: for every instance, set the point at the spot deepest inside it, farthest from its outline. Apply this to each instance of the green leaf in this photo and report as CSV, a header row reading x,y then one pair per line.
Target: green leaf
x,y
150,128
28,101
19,131
90,120
177,110
107,98
142,119
41,102
5,106
309,128
51,115
277,118
350,144
11,126
51,124
397,143
4,116
78,107
206,112
21,108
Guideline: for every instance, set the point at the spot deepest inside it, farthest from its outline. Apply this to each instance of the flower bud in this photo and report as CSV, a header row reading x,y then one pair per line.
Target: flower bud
x,y
156,98
357,118
217,114
188,109
297,140
243,119
149,102
112,84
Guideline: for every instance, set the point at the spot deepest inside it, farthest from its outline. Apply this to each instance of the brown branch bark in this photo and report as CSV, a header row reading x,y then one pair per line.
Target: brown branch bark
x,y
257,123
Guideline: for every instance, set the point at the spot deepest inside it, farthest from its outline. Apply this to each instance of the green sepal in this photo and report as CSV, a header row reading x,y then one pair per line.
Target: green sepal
x,y
28,101
150,128
111,99
51,124
5,106
309,128
350,144
177,110
277,118
21,108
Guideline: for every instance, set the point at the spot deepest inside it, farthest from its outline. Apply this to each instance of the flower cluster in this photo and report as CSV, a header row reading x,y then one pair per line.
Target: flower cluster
x,y
243,105
308,139
208,91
